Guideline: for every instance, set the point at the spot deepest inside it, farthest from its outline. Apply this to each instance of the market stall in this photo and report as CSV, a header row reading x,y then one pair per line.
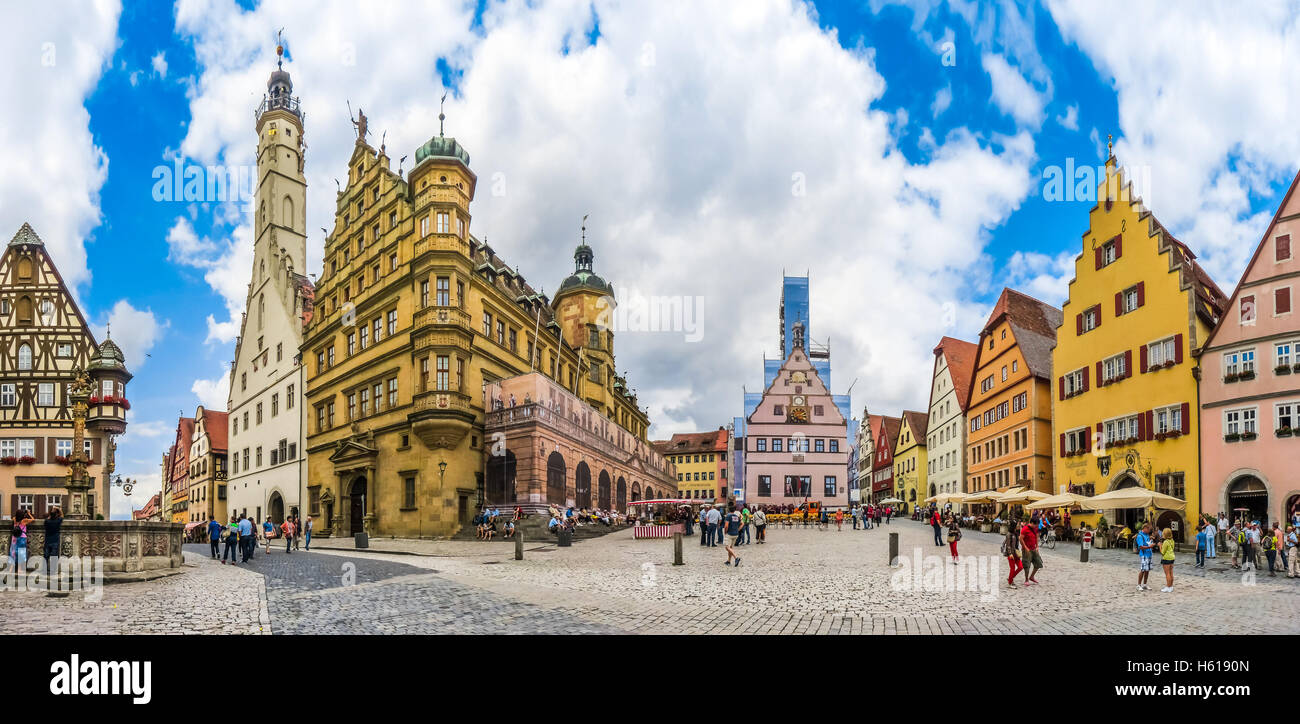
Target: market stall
x,y
658,518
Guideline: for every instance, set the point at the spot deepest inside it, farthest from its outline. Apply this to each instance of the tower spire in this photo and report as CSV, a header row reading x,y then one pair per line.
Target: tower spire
x,y
279,49
441,115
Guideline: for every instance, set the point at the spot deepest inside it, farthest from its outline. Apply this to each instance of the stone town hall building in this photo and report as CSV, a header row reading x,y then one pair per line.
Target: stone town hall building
x,y
416,325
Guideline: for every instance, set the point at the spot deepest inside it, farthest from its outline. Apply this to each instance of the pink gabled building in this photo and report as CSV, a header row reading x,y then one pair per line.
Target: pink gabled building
x,y
1250,383
795,441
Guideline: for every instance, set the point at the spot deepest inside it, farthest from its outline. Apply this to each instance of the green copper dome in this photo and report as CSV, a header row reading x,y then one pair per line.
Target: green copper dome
x,y
441,147
583,277
109,357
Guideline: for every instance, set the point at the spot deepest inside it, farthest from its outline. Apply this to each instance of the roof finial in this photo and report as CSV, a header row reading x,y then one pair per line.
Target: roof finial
x,y
279,49
442,116
108,330
1110,153
584,228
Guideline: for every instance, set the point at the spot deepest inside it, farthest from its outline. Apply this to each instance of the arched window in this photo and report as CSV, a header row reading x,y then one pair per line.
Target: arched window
x,y
25,311
25,357
288,212
262,272
261,310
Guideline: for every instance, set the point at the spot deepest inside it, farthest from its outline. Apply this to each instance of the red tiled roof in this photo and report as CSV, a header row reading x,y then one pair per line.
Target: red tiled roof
x,y
1034,324
918,421
216,425
180,450
693,442
892,426
961,365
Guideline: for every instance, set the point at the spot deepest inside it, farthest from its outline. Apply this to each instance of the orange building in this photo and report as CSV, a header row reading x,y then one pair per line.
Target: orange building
x,y
1009,417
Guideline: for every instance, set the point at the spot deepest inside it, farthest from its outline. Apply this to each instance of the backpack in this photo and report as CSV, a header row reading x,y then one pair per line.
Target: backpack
x,y
1241,537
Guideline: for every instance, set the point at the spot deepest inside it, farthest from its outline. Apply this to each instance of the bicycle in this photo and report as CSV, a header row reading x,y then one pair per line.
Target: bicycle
x,y
1050,540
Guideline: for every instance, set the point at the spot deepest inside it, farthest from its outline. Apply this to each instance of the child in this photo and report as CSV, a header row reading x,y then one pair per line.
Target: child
x,y
1167,559
1011,549
1201,545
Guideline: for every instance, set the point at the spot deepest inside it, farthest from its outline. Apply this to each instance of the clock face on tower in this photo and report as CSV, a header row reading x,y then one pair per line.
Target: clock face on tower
x,y
798,409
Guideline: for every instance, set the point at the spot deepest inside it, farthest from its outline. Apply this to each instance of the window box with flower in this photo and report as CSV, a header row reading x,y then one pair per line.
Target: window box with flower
x,y
8,460
1232,437
26,460
1248,436
62,459
1284,431
1230,377
1282,370
1247,375
1162,436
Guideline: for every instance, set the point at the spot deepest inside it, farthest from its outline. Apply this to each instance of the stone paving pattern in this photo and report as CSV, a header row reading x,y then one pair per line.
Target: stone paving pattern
x,y
801,581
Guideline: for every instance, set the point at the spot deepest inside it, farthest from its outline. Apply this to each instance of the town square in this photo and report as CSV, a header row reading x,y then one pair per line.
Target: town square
x,y
382,327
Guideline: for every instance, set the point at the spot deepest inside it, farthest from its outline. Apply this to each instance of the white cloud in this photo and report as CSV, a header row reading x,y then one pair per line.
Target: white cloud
x,y
942,100
1207,105
1071,118
1012,93
1042,276
774,151
135,332
213,394
159,63
53,60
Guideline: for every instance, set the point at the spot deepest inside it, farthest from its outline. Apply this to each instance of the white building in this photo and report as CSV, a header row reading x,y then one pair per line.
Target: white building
x,y
268,463
954,362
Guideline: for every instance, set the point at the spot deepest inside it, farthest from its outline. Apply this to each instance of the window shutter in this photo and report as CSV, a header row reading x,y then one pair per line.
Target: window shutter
x,y
1097,256
40,507
1187,423
1119,247
13,505
1119,303
1283,250
1128,363
1085,379
1096,322
1099,373
1143,351
1151,424
1142,293
1062,444
1101,431
1061,383
1282,300
1178,349
1142,426
1078,324
1087,443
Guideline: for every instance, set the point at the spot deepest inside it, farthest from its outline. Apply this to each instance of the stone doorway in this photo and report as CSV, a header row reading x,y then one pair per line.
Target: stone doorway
x,y
276,508
357,512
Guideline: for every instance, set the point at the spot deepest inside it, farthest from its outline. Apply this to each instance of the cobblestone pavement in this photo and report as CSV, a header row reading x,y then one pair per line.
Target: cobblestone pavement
x,y
801,581
206,599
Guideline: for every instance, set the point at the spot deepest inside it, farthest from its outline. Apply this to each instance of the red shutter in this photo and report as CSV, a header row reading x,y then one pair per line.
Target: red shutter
x,y
1282,300
1142,293
1085,379
1143,351
1283,250
1097,256
1100,377
1178,349
1096,321
1062,444
1101,431
1119,303
1087,443
1128,363
1119,247
40,507
1061,384
1078,324
1151,424
13,506
1187,423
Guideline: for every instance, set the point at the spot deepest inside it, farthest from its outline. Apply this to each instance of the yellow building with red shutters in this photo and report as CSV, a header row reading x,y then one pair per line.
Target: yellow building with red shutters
x,y
1009,410
1139,306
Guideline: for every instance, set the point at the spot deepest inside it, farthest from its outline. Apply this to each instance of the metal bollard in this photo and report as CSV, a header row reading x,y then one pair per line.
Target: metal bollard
x,y
519,545
893,549
677,549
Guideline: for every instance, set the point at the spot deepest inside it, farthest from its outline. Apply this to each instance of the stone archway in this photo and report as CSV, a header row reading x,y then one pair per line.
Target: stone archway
x,y
1249,492
636,492
1126,516
357,506
275,508
603,491
620,495
555,478
501,479
582,486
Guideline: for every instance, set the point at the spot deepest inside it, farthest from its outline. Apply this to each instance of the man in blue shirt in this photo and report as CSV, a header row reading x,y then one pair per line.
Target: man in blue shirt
x,y
214,537
246,540
1144,546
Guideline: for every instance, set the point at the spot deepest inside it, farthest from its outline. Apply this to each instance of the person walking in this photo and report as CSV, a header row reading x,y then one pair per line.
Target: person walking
x,y
1278,546
721,528
53,536
934,523
1235,538
857,513
1268,544
1167,559
231,536
1029,552
1201,535
744,525
760,524
1211,525
268,533
714,526
1292,552
690,524
1144,545
288,530
877,513
1011,551
306,533
1249,539
247,538
733,530
954,535
705,535
839,519
214,537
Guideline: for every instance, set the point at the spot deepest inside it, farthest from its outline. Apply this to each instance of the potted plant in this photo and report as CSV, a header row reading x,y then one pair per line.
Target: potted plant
x,y
1247,375
1284,431
1231,437
1248,436
1160,436
26,460
1103,528
9,460
1230,377
62,459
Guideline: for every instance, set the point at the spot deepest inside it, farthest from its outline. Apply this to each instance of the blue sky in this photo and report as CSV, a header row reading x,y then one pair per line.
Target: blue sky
x,y
680,130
